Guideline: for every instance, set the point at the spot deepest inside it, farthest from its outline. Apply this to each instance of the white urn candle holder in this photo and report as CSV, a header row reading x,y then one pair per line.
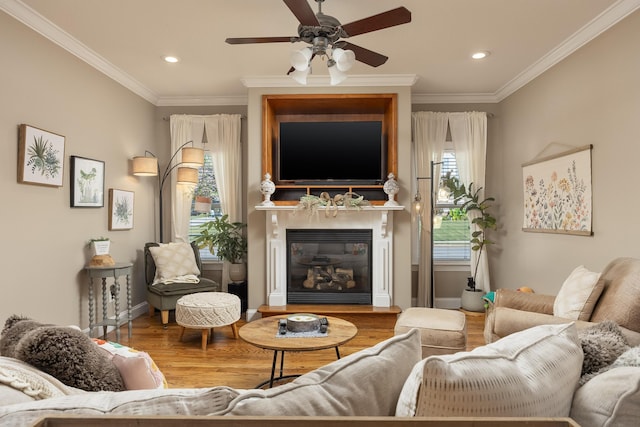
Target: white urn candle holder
x,y
267,188
391,188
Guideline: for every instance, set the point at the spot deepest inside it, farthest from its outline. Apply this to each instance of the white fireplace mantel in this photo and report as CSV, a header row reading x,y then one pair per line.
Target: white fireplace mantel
x,y
379,219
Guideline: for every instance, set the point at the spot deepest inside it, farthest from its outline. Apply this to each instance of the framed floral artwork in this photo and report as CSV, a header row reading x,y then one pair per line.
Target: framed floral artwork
x,y
87,183
557,193
120,209
40,157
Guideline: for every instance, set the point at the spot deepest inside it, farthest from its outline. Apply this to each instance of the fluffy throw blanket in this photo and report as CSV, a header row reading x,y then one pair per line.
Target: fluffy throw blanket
x,y
602,345
62,352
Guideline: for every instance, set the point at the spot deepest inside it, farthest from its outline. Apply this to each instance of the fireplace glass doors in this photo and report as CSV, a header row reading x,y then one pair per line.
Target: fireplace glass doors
x,y
329,266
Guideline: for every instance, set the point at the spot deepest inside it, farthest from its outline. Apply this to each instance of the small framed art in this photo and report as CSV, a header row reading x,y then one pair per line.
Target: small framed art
x,y
120,209
40,157
87,183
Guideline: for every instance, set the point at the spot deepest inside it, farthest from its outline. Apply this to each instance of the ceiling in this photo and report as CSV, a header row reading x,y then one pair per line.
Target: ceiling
x,y
127,40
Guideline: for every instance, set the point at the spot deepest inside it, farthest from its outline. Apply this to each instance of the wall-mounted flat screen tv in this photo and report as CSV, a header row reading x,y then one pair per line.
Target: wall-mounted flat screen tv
x,y
352,152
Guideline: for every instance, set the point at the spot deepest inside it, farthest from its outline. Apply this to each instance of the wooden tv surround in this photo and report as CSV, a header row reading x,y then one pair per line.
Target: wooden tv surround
x,y
327,107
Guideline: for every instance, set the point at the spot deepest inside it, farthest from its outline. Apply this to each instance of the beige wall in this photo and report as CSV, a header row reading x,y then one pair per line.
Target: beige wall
x,y
43,238
592,97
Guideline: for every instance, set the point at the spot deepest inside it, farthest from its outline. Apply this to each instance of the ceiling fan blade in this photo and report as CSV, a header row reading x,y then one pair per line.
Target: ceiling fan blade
x,y
367,56
386,19
247,40
302,11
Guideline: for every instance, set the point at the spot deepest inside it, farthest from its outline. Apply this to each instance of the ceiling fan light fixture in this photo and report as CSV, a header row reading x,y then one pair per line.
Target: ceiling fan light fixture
x,y
300,58
336,75
300,76
344,59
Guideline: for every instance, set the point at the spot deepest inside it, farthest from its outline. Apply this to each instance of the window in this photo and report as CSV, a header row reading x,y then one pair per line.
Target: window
x,y
451,231
204,210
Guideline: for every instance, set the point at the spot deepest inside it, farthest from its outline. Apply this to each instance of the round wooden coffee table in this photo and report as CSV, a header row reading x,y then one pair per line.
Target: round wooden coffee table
x,y
263,332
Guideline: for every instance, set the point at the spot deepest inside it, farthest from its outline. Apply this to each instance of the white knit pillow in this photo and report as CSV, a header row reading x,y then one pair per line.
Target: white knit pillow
x,y
578,295
175,262
532,373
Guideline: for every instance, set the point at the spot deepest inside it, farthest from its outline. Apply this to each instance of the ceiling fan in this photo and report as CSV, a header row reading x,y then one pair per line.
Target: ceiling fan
x,y
325,33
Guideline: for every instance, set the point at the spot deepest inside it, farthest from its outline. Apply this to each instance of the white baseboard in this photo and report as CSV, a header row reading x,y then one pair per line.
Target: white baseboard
x,y
450,303
252,314
136,311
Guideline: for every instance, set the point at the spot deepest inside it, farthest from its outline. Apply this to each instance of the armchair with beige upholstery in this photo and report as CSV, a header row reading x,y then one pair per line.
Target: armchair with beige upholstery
x,y
513,311
164,295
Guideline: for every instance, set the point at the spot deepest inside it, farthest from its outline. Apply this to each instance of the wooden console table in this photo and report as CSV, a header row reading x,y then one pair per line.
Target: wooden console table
x,y
103,272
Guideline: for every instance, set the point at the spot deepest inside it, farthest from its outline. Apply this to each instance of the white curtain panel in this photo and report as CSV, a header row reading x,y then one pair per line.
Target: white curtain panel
x,y
223,135
469,137
429,135
183,129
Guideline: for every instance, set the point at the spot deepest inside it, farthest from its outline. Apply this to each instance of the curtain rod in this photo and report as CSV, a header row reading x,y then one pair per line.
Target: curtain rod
x,y
166,119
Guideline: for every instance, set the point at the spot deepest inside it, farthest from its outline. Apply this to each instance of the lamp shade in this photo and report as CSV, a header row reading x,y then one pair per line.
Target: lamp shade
x,y
187,176
192,157
300,58
145,166
344,58
300,76
335,74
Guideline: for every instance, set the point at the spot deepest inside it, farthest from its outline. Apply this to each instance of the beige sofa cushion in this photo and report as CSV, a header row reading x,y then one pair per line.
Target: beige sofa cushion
x,y
610,399
527,374
21,382
364,383
620,299
167,402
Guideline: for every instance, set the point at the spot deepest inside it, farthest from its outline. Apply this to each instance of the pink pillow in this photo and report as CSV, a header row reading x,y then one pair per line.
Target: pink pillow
x,y
138,370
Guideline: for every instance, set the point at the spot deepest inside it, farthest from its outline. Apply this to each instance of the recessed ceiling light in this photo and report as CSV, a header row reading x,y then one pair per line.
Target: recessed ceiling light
x,y
171,59
480,55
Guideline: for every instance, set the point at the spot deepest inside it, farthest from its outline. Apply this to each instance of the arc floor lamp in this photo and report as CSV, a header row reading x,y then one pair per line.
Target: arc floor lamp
x,y
418,207
191,159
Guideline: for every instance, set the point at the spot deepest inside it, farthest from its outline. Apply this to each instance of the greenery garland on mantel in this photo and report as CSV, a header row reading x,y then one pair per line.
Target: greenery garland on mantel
x,y
349,200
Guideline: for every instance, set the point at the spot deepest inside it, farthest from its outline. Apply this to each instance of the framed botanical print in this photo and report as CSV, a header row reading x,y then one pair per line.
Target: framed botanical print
x,y
120,209
40,157
87,183
557,193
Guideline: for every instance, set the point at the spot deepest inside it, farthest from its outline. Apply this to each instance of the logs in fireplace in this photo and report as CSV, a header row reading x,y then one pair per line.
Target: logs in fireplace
x,y
329,266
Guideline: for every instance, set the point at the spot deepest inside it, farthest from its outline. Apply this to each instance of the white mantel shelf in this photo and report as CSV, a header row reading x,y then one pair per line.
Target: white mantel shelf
x,y
340,208
379,219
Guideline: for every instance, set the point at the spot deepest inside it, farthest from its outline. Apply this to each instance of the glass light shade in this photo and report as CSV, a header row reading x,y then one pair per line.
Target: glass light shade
x,y
300,76
344,58
417,204
336,75
187,176
300,58
444,194
145,166
192,157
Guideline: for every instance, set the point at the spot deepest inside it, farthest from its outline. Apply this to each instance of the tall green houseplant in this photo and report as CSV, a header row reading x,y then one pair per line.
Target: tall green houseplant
x,y
225,238
484,222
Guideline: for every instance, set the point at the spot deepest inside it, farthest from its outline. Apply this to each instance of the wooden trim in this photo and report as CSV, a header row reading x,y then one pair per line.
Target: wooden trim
x,y
336,107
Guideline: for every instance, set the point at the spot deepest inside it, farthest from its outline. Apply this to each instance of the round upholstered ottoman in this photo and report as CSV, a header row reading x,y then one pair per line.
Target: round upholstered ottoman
x,y
207,310
441,331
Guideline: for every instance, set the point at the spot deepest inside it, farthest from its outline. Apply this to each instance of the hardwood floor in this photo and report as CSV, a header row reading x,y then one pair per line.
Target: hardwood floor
x,y
233,362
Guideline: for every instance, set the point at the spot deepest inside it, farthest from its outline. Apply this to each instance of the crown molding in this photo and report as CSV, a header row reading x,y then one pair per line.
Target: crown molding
x,y
57,35
29,17
607,19
323,81
191,101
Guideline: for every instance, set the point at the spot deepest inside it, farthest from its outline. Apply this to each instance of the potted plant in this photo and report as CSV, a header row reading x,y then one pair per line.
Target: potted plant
x,y
227,241
483,222
100,245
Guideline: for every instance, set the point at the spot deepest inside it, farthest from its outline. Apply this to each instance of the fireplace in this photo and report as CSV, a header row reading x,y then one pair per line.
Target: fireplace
x,y
378,220
329,266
